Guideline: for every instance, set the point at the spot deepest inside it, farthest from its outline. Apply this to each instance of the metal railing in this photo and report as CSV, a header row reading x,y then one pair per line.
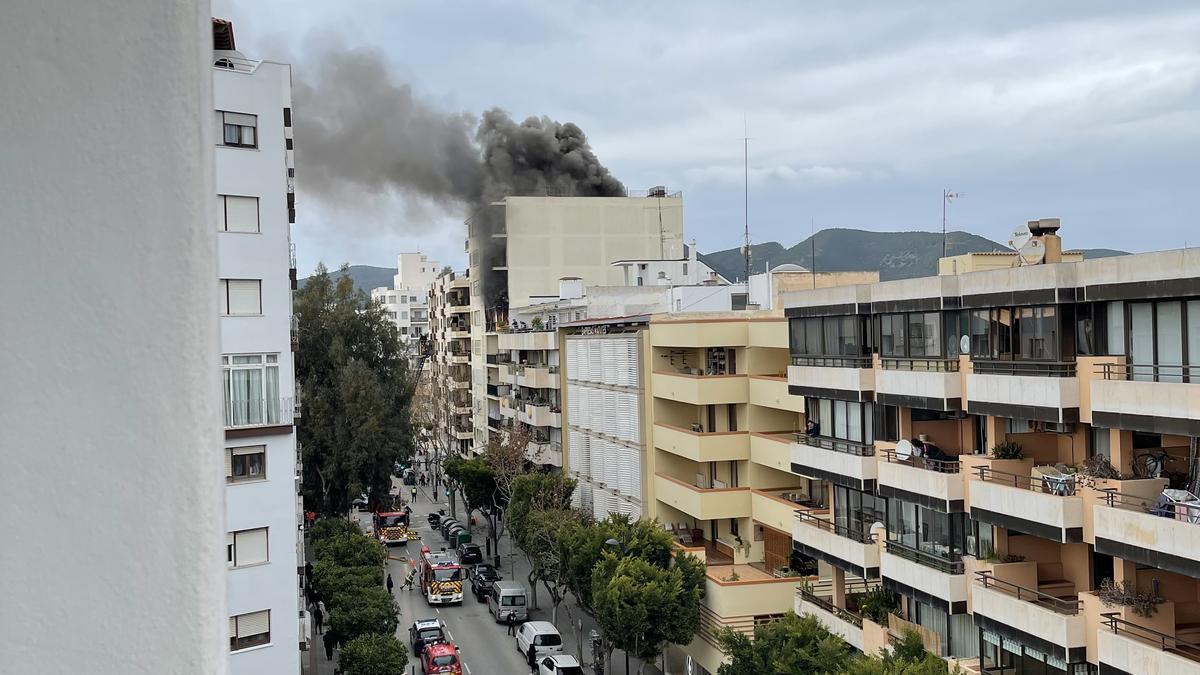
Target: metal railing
x,y
260,412
833,361
237,64
836,444
1149,372
1064,487
936,465
1025,368
947,565
1167,643
824,603
712,624
830,526
1185,511
1058,605
919,364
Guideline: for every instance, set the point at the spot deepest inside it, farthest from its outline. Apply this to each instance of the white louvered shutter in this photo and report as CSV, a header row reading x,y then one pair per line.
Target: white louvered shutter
x,y
255,623
250,547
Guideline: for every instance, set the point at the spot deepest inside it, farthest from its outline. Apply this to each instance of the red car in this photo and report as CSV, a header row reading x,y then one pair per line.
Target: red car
x,y
441,658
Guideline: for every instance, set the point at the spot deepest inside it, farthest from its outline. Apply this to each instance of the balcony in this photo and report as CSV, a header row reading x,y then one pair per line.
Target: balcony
x,y
735,595
459,356
772,392
1046,506
539,415
700,389
817,600
850,378
838,461
1045,391
1130,525
1126,647
816,535
703,503
260,412
777,508
546,453
528,340
933,384
537,377
772,449
508,373
702,446
1055,626
1161,399
931,483
509,406
925,574
463,432
460,383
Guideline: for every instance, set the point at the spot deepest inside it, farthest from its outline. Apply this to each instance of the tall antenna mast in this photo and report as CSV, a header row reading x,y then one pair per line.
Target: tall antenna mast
x,y
947,197
746,195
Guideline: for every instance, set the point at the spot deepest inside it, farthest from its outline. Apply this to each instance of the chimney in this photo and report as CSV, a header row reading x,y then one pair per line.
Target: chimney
x,y
711,280
1046,230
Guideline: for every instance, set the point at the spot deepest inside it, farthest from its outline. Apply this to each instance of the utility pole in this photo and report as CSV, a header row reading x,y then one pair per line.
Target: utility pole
x,y
746,198
947,197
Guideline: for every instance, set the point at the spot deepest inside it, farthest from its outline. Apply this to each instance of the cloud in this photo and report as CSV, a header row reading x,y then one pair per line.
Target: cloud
x,y
783,174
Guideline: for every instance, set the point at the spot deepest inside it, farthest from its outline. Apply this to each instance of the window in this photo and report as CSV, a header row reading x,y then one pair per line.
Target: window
x,y
241,297
404,316
737,301
1163,338
403,330
245,464
391,299
685,269
247,547
1037,331
857,511
251,383
847,420
239,130
828,336
403,299
249,630
916,335
412,298
237,214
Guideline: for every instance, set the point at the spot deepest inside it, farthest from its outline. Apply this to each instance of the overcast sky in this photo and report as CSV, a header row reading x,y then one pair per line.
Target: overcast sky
x,y
857,117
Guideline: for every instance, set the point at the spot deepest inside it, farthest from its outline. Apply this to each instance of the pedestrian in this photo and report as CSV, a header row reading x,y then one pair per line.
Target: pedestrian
x,y
511,620
308,572
414,494
329,641
318,618
532,654
389,582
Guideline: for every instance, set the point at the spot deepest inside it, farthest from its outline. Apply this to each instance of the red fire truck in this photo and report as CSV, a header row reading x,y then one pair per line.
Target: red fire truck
x,y
441,578
392,527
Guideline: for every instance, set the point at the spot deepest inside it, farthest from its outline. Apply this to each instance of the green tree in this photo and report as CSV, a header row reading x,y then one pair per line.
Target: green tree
x,y
586,545
906,657
330,579
373,655
792,645
356,391
353,550
361,611
326,528
641,607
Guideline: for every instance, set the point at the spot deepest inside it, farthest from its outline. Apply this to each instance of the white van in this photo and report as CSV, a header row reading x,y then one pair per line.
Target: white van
x,y
507,599
544,637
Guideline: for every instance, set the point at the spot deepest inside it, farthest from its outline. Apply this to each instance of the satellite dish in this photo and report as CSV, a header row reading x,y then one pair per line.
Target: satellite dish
x,y
1020,236
904,449
1032,252
964,345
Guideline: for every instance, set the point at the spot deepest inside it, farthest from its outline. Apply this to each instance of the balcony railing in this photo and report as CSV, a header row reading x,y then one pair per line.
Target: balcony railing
x,y
949,565
712,625
1058,605
1167,643
1186,511
920,365
833,361
806,594
836,444
1149,372
938,465
1024,368
1063,487
829,526
260,412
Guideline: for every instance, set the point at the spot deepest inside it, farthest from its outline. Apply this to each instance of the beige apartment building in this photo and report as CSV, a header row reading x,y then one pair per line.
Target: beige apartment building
x,y
967,425
449,354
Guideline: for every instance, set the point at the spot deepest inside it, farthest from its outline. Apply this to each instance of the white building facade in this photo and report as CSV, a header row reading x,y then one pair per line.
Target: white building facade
x,y
407,301
254,173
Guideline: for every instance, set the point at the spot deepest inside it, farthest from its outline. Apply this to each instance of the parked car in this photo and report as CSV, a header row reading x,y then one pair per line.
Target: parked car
x,y
360,502
544,637
441,658
482,577
469,554
423,633
559,664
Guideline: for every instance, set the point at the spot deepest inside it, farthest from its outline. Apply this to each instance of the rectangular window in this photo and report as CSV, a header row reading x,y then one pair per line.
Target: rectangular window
x,y
237,214
245,464
246,547
1169,334
241,297
251,383
239,130
1114,321
1037,330
391,299
1193,340
249,630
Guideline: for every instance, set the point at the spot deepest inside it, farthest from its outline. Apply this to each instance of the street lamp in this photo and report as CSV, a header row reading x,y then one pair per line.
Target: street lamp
x,y
619,545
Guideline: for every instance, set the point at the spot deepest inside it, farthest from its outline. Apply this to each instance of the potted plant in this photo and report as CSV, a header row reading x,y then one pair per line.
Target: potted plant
x,y
876,604
1125,594
536,323
1007,450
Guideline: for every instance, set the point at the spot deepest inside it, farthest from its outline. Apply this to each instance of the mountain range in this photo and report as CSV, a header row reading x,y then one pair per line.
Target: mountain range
x,y
365,277
896,255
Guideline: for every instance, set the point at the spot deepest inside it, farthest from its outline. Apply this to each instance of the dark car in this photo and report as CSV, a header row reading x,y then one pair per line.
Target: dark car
x,y
423,633
435,519
469,554
482,577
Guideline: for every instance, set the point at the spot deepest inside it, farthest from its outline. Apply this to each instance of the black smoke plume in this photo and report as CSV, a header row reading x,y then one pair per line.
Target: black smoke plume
x,y
361,132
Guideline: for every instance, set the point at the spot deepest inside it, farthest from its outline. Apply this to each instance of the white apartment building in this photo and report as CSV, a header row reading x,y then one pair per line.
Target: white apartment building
x,y
254,172
407,301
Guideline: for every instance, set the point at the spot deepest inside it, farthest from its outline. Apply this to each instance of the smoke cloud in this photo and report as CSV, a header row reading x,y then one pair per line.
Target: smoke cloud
x,y
361,132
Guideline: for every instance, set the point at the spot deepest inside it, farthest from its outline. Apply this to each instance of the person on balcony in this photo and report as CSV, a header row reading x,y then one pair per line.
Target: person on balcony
x,y
812,428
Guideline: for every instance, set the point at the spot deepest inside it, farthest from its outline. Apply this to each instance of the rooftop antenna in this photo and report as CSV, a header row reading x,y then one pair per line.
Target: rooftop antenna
x,y
746,194
947,197
812,239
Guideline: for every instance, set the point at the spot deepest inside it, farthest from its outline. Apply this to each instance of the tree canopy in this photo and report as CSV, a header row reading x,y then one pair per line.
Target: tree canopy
x,y
793,644
373,655
356,392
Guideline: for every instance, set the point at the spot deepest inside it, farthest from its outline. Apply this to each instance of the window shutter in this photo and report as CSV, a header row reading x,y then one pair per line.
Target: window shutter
x,y
224,293
241,118
255,623
251,547
233,626
229,452
244,296
241,214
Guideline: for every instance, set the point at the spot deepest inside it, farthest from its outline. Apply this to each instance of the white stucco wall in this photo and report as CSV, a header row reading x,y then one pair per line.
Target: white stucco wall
x,y
1045,392
114,559
917,383
847,379
948,587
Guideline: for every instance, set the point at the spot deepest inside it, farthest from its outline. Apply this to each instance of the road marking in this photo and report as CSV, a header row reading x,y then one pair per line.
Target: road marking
x,y
468,668
450,634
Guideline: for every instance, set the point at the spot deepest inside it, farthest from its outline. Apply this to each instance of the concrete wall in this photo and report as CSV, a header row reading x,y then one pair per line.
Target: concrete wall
x,y
113,422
